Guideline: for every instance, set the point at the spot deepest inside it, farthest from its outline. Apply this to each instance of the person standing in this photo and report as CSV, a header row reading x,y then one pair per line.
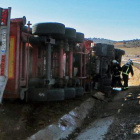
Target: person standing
x,y
126,69
116,69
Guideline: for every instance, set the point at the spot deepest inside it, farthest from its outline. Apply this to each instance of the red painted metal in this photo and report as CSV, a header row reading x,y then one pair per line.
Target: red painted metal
x,y
11,95
17,20
87,44
17,59
2,64
61,62
70,63
21,60
27,56
81,65
4,17
84,65
87,50
13,84
79,52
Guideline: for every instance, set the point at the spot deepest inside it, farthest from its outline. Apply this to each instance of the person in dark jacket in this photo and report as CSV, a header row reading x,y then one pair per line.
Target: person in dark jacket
x,y
116,70
126,69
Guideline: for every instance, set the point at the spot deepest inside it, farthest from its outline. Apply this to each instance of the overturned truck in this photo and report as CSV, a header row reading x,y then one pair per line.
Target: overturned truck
x,y
50,62
101,65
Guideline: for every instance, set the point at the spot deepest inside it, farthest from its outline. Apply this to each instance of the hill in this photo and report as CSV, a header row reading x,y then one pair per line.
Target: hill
x,y
102,40
118,44
127,43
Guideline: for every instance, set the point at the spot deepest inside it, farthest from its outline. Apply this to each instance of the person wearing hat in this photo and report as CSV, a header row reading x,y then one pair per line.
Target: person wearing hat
x,y
116,70
126,69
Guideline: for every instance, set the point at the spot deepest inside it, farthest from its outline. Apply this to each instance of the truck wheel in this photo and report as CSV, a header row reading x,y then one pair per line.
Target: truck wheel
x,y
43,94
55,95
104,50
70,33
99,49
69,93
110,47
35,40
36,82
110,54
119,52
122,52
79,37
79,91
104,65
48,28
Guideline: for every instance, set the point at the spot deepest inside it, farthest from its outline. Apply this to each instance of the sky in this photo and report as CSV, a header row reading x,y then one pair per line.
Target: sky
x,y
110,19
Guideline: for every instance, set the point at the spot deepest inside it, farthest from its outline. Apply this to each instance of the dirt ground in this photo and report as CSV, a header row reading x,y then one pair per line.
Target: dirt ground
x,y
124,106
131,51
20,120
126,125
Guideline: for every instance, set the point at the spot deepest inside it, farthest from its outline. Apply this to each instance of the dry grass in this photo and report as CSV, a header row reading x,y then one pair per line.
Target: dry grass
x,y
135,80
131,51
119,43
127,44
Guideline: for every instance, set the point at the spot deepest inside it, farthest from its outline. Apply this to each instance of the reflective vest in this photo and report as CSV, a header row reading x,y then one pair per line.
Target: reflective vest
x,y
125,69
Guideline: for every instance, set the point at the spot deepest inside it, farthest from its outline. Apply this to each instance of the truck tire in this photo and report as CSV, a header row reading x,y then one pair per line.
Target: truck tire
x,y
97,66
36,82
104,50
79,37
69,93
79,91
43,94
35,40
104,65
55,95
110,54
119,52
122,52
110,50
70,33
48,28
